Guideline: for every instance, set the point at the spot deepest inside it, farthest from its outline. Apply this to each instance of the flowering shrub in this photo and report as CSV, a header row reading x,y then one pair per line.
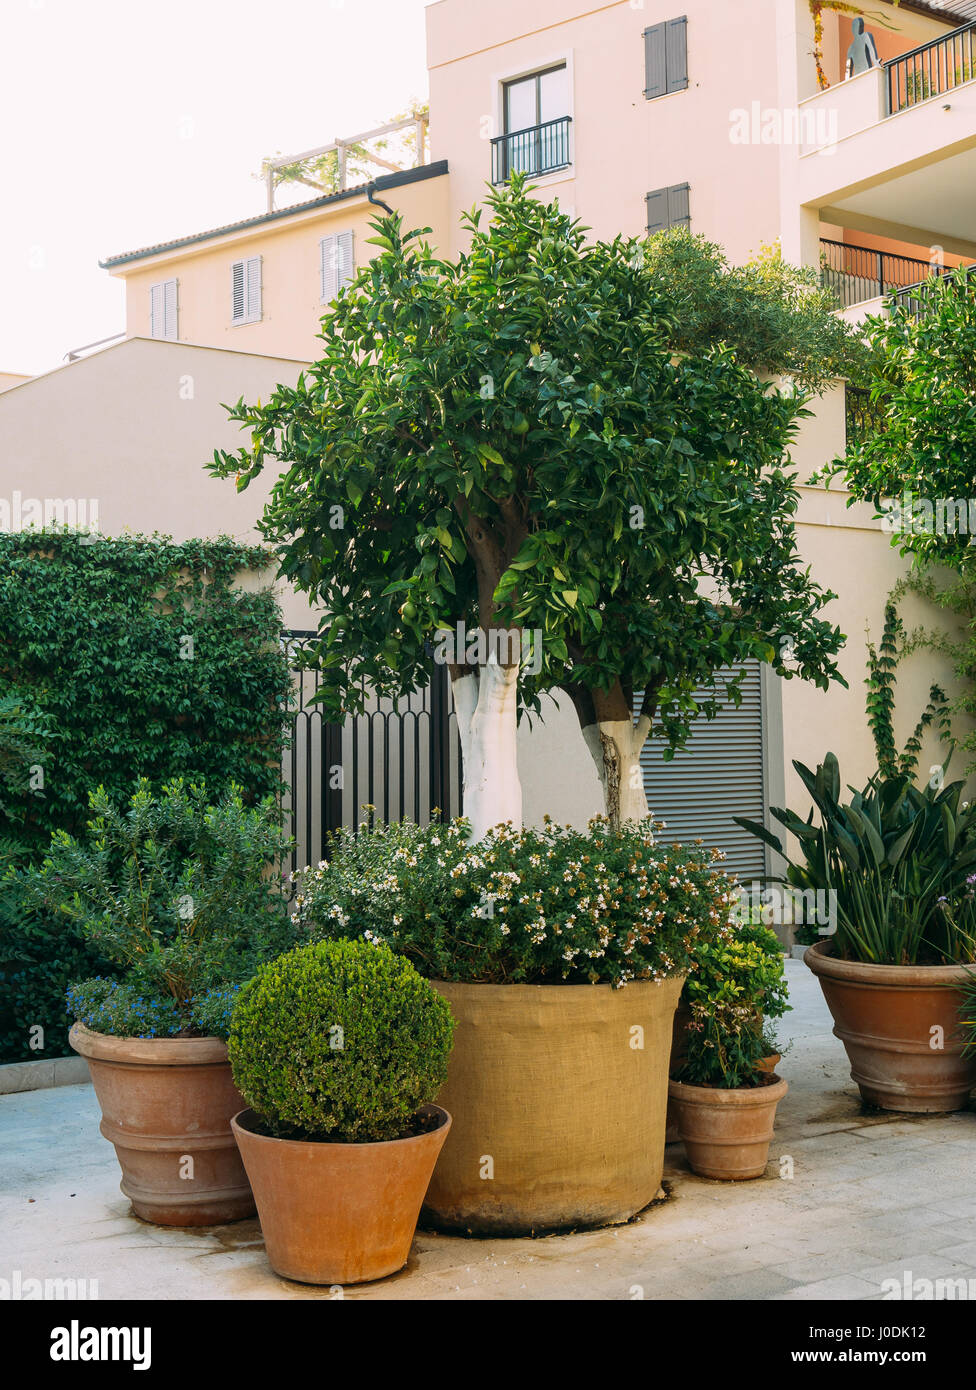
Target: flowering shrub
x,y
737,986
111,1006
537,906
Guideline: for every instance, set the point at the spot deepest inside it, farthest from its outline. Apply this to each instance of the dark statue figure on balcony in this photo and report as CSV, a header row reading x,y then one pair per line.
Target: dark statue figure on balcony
x,y
863,52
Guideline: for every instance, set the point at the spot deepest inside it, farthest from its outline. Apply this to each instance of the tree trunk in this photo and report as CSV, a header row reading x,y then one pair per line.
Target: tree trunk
x,y
615,747
486,705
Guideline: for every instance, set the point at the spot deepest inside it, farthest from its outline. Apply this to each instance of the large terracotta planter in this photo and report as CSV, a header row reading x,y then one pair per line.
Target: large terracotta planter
x,y
558,1094
166,1106
887,1017
338,1213
727,1134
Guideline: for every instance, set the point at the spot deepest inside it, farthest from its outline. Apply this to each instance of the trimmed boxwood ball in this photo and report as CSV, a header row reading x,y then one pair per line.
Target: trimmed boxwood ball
x,y
340,1041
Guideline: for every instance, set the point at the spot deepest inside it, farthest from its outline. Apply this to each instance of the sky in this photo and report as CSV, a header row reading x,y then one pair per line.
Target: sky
x,y
124,123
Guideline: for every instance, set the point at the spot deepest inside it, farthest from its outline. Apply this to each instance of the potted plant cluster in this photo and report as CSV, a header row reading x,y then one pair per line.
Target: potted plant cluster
x,y
177,894
338,1048
724,1088
562,955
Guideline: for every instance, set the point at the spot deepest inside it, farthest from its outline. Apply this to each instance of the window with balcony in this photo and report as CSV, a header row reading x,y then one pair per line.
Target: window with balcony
x,y
164,310
246,290
536,120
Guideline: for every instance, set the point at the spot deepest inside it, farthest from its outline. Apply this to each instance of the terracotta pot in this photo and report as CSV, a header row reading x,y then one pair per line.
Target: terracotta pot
x,y
338,1213
727,1134
558,1094
770,1063
885,1016
166,1106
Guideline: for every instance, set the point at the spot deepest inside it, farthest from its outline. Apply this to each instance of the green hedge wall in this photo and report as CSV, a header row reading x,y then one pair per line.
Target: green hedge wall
x,y
141,658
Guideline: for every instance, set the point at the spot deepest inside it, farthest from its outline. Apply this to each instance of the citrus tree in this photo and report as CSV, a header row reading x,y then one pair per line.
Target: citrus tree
x,y
507,456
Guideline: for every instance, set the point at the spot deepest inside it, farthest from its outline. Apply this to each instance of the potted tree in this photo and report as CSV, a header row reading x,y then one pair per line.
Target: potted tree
x,y
338,1047
562,954
724,1090
176,894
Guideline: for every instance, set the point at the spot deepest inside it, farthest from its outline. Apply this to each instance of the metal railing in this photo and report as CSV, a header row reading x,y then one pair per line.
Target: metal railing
x,y
931,69
863,416
857,273
539,149
402,757
909,297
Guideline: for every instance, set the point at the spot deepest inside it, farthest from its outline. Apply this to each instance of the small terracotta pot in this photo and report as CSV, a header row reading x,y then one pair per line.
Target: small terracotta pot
x,y
770,1063
166,1106
727,1134
887,1017
338,1213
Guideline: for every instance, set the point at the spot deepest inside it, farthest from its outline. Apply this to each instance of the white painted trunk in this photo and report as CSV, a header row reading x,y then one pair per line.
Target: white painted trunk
x,y
615,747
487,708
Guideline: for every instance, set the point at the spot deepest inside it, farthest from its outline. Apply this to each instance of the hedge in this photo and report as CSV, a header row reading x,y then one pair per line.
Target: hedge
x,y
140,658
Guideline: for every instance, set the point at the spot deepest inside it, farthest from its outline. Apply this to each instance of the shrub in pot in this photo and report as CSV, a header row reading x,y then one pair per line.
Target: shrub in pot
x,y
897,864
338,1047
179,896
562,954
724,1091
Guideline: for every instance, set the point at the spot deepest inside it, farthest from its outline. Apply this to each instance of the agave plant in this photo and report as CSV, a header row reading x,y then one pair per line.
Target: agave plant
x,y
900,858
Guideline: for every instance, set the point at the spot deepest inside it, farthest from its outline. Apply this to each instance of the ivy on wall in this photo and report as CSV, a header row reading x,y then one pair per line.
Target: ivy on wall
x,y
141,657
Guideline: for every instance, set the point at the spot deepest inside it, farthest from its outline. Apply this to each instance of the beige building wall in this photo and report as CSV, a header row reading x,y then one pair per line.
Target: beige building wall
x,y
8,379
130,429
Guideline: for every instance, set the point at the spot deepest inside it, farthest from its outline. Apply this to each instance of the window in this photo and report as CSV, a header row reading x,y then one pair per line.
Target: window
x,y
668,207
163,315
336,263
535,111
246,290
666,58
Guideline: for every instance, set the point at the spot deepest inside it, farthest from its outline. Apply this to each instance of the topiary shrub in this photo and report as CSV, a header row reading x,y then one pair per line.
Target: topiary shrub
x,y
339,1041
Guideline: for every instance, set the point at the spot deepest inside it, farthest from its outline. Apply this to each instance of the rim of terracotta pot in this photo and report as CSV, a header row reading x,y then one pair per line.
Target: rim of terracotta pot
x,y
821,961
738,1096
239,1124
161,1052
568,990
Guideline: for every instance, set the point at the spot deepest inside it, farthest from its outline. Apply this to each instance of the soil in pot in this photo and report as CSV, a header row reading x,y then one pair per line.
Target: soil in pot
x,y
339,1213
166,1106
727,1133
899,1026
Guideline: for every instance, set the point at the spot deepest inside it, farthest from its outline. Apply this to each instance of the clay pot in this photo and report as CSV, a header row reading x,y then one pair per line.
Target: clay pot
x,y
166,1106
770,1063
727,1134
887,1017
338,1213
558,1094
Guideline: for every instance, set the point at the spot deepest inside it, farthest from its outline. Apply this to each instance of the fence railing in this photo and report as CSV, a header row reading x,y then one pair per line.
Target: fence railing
x,y
931,69
857,273
539,149
402,757
909,296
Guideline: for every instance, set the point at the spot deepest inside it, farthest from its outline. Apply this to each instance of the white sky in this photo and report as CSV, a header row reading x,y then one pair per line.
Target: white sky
x,y
127,122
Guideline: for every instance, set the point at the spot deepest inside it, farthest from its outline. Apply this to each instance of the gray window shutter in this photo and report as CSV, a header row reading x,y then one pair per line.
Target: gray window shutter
x,y
238,293
346,267
676,54
253,289
720,774
657,210
655,61
329,252
679,207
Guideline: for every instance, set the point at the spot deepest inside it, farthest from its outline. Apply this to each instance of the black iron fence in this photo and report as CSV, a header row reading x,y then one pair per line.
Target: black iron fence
x,y
857,273
539,149
931,69
401,757
864,416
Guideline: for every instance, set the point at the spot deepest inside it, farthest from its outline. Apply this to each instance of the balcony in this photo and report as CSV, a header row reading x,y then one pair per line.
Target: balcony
x,y
539,149
930,70
858,273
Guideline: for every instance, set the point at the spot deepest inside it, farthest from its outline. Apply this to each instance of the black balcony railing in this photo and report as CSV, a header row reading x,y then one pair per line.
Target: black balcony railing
x,y
931,69
909,297
537,150
856,273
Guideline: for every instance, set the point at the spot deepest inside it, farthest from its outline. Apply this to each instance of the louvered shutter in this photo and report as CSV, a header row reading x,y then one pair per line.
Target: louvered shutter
x,y
655,61
170,310
676,54
329,253
238,292
163,310
720,774
253,289
346,268
679,206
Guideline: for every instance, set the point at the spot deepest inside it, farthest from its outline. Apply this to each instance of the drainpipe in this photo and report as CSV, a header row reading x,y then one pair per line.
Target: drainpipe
x,y
377,202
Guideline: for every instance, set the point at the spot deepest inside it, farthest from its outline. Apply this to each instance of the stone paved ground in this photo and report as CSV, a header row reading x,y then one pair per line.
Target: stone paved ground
x,y
871,1197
